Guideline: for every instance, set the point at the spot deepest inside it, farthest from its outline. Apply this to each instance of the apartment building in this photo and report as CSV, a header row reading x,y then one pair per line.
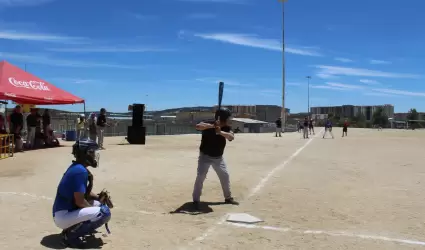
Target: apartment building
x,y
194,116
348,111
267,113
403,116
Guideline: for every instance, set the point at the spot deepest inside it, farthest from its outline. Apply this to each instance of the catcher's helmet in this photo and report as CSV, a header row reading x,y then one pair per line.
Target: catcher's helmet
x,y
223,114
86,152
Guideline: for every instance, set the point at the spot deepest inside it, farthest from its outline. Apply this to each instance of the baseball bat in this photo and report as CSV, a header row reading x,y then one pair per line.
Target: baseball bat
x,y
220,96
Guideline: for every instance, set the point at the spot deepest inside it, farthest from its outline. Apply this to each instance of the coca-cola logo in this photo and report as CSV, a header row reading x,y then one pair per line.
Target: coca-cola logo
x,y
29,84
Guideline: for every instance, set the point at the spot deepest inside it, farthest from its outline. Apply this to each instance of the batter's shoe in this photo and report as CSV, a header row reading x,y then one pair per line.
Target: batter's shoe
x,y
231,201
195,205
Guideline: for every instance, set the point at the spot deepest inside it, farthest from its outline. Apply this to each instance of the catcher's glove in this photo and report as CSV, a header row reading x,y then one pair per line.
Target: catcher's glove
x,y
105,198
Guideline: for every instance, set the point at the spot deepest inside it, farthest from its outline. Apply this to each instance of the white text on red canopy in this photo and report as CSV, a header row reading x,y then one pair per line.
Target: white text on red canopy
x,y
29,84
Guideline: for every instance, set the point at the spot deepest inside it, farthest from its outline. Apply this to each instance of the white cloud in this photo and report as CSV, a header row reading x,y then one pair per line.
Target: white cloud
x,y
399,92
344,71
337,86
39,37
368,81
379,94
379,62
272,93
22,3
325,76
328,87
181,34
73,80
256,42
383,92
201,16
345,60
294,83
342,85
115,49
45,60
143,17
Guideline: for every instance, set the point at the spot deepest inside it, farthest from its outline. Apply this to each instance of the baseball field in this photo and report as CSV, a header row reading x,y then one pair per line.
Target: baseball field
x,y
365,191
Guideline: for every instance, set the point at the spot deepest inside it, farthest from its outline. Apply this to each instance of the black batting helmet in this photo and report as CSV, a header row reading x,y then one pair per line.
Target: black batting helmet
x,y
223,114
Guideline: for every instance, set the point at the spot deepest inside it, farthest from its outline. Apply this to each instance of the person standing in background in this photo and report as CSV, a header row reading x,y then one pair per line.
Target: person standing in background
x,y
311,126
15,127
305,128
328,128
279,127
2,125
345,128
101,125
81,126
38,139
92,127
3,140
31,128
46,124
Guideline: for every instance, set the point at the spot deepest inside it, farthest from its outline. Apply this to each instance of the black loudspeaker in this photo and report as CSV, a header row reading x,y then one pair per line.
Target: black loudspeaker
x,y
136,135
138,110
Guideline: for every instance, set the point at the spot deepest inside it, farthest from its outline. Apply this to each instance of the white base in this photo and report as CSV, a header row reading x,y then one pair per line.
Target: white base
x,y
242,218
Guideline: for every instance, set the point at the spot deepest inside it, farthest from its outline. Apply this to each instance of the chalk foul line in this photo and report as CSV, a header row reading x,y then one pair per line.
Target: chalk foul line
x,y
330,233
258,187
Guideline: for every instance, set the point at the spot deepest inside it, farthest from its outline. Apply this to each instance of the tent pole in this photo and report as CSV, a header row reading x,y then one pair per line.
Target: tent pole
x,y
84,108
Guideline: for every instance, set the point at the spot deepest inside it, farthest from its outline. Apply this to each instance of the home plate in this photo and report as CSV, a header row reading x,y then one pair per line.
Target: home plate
x,y
242,218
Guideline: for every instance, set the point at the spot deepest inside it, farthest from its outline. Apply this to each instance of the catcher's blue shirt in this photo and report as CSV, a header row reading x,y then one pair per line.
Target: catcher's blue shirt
x,y
73,181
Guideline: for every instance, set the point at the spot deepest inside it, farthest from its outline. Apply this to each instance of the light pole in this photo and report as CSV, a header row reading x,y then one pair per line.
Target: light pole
x,y
308,94
283,114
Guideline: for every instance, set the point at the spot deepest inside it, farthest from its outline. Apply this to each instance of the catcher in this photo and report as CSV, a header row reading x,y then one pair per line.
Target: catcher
x,y
77,210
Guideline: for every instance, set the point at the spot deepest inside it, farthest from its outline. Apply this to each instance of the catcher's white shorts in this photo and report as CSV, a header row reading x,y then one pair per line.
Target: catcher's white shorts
x,y
64,219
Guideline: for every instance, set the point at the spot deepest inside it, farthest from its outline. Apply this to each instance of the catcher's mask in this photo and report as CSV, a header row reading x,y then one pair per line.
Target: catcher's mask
x,y
86,152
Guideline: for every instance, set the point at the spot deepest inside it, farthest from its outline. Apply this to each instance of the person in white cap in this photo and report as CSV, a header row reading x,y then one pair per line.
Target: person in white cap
x,y
81,126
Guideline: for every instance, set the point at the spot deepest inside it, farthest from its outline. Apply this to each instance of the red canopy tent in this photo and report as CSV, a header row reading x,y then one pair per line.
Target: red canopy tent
x,y
24,88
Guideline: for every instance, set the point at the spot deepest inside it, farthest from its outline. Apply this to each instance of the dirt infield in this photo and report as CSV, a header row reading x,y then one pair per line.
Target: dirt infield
x,y
364,191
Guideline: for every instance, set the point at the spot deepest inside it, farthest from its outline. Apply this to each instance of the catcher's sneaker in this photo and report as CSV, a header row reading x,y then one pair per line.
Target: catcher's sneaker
x,y
231,201
75,243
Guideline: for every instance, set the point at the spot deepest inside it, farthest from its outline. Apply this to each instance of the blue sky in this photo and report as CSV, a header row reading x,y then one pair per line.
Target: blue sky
x,y
172,53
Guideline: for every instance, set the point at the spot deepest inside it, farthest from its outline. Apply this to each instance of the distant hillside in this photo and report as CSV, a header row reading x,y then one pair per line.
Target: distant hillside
x,y
176,110
172,111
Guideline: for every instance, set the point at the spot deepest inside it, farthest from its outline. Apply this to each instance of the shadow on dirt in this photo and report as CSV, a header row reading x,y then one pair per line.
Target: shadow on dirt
x,y
203,208
54,241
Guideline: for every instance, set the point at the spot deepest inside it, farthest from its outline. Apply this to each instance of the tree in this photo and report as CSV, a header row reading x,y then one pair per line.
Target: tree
x,y
380,118
412,115
359,120
334,118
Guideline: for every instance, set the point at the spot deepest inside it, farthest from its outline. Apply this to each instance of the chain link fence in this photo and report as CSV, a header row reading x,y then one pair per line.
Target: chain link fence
x,y
120,127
